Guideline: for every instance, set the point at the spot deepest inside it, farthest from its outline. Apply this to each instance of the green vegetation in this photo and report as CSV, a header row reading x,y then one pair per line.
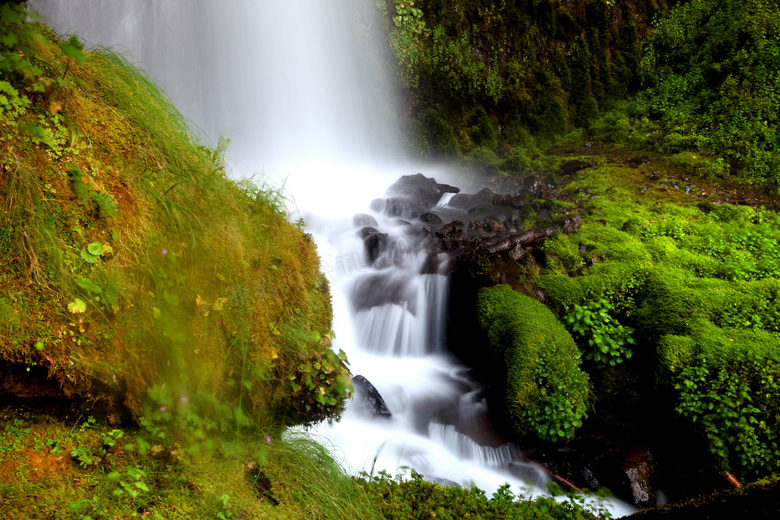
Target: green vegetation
x,y
713,84
173,318
608,340
699,283
85,470
131,263
538,67
546,392
697,77
416,498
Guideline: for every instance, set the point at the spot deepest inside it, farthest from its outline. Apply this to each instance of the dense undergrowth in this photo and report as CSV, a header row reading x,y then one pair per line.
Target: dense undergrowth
x,y
690,289
497,82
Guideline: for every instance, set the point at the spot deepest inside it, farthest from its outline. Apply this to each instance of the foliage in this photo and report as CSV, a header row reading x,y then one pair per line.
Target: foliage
x,y
546,391
416,498
543,66
593,324
727,386
698,283
714,84
156,473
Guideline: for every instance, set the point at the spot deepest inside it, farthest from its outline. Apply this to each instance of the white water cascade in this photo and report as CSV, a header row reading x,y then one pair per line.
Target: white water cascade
x,y
301,90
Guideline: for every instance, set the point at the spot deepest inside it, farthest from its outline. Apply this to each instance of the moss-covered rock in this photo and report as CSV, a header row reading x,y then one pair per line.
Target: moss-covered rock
x,y
131,268
727,384
546,391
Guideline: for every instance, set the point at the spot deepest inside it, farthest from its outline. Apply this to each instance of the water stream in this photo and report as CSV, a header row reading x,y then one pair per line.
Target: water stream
x,y
301,89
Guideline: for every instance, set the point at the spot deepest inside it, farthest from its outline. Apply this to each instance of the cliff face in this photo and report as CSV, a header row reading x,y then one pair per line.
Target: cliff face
x,y
132,269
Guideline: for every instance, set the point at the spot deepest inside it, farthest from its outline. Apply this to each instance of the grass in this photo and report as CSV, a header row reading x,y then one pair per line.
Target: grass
x,y
44,475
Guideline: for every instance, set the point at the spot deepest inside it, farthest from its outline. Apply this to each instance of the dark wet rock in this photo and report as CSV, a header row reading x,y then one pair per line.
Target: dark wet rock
x,y
636,162
430,218
362,220
411,196
492,224
573,166
474,225
453,229
570,224
469,200
374,241
536,187
638,466
382,288
543,214
369,398
527,472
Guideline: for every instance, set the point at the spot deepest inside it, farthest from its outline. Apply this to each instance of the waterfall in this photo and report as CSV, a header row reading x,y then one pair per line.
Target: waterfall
x,y
301,90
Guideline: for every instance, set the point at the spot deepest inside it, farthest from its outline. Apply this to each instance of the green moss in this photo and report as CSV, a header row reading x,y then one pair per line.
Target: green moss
x,y
669,304
727,384
435,136
546,391
137,264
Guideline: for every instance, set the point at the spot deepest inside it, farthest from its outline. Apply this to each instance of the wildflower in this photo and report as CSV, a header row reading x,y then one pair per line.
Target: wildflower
x,y
165,251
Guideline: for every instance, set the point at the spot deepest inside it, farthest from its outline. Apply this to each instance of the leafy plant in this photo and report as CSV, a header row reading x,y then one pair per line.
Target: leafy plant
x,y
608,341
734,405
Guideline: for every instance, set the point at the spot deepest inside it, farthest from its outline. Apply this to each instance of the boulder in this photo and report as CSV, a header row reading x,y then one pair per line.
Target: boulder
x,y
374,241
362,220
369,400
468,201
411,196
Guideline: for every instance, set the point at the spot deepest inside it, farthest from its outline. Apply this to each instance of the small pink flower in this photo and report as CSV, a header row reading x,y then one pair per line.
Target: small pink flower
x,y
163,408
165,251
267,438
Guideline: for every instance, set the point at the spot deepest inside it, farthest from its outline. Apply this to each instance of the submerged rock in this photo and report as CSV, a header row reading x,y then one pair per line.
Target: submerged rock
x,y
369,399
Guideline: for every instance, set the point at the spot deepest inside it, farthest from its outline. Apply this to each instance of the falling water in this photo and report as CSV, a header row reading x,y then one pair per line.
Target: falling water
x,y
301,89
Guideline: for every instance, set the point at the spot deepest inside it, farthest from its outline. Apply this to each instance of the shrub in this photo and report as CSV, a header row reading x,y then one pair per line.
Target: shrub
x,y
417,498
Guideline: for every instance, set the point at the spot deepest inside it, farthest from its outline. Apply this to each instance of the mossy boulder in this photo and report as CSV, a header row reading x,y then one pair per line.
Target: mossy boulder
x,y
132,270
546,391
727,384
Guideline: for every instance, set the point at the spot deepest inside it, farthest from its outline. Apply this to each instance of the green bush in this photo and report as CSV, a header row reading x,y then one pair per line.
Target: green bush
x,y
711,69
546,391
